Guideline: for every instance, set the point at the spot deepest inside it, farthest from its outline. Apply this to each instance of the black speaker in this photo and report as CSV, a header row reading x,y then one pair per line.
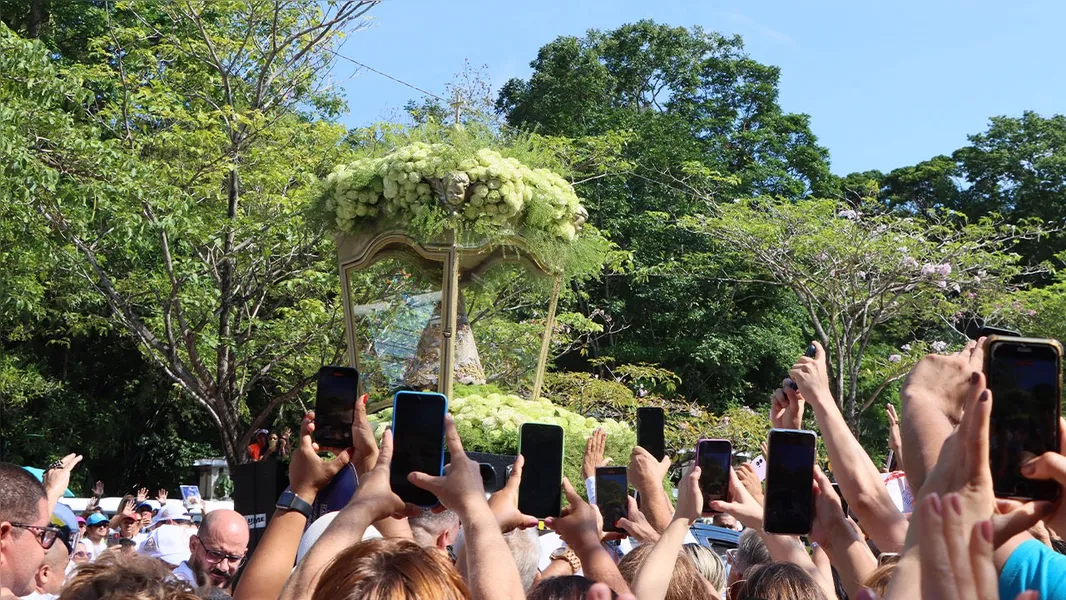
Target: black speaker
x,y
256,487
495,468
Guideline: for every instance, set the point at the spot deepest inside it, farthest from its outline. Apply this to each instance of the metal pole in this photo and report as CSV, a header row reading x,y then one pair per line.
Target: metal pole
x,y
545,342
449,309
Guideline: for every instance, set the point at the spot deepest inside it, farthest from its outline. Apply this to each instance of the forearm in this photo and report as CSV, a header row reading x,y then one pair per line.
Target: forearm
x,y
597,565
860,481
492,572
271,564
653,578
923,429
391,528
852,559
906,581
656,506
785,548
346,529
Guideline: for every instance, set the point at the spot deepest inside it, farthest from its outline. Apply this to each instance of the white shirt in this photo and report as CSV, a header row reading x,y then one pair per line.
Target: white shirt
x,y
39,596
97,548
184,573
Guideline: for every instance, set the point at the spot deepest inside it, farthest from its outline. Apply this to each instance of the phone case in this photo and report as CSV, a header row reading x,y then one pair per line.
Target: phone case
x,y
610,527
440,471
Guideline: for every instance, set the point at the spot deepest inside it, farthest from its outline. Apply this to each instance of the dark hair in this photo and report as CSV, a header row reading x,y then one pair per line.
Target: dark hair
x,y
781,581
685,582
20,494
751,552
1058,545
570,587
127,543
390,570
117,576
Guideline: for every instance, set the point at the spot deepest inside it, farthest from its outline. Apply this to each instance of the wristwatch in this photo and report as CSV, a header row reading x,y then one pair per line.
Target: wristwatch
x,y
290,501
565,553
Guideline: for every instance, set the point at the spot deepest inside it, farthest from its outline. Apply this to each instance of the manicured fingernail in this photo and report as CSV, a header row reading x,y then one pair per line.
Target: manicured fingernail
x,y
985,396
934,500
956,504
986,531
974,377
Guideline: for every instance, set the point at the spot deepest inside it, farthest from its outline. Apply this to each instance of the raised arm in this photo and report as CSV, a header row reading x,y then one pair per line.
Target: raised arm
x,y
860,480
847,551
365,446
581,527
271,563
653,578
492,573
646,475
57,478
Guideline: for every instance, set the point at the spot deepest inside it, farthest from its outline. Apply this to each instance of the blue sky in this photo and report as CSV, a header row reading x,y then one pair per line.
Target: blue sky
x,y
887,84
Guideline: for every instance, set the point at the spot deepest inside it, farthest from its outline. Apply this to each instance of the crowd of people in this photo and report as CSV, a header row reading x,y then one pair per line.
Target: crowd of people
x,y
960,541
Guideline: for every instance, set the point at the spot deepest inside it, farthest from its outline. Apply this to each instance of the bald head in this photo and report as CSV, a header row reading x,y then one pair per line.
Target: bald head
x,y
226,527
52,572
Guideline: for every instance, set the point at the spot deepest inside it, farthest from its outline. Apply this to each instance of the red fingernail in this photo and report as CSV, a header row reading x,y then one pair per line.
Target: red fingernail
x,y
985,396
975,376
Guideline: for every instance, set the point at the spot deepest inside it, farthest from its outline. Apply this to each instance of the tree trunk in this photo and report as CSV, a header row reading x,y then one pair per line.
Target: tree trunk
x,y
422,372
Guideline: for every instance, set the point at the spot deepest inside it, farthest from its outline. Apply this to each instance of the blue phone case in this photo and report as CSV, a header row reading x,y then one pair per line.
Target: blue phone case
x,y
440,470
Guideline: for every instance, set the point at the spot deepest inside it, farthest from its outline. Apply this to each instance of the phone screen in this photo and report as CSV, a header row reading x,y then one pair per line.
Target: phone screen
x,y
612,490
335,406
1025,381
540,493
789,507
417,442
714,458
650,431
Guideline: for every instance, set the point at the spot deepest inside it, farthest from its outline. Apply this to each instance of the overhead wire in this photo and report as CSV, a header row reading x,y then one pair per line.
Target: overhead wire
x,y
386,75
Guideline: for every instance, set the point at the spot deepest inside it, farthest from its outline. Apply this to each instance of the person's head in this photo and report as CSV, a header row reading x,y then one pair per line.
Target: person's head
x,y
219,547
129,525
83,553
23,537
127,546
168,543
391,569
81,527
750,552
115,575
53,570
570,587
726,521
525,550
96,527
261,437
145,510
878,579
781,581
435,530
686,582
708,564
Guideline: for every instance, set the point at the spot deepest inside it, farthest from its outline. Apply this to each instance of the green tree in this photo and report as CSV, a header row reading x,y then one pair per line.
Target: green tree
x,y
173,168
855,272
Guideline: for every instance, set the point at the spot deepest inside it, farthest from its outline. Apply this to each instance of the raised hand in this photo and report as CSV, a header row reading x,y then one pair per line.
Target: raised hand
x,y
1052,465
460,488
811,376
743,507
580,524
747,476
142,495
953,565
637,525
644,472
365,447
56,480
689,496
374,493
786,407
829,519
308,473
98,489
593,458
161,496
504,503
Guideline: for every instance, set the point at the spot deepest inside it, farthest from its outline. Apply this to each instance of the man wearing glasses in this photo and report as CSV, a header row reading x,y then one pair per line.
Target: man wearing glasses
x,y
25,533
218,550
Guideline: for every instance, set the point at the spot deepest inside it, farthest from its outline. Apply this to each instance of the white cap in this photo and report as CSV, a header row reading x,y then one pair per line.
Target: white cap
x,y
314,530
169,543
170,513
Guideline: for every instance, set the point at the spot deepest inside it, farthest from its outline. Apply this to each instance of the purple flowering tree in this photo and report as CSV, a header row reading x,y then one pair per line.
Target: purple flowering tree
x,y
854,270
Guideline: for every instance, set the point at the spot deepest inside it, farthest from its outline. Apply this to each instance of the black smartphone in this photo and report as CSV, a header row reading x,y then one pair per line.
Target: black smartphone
x,y
417,443
650,424
540,493
335,397
811,352
891,462
986,332
715,458
612,489
1025,377
789,508
843,502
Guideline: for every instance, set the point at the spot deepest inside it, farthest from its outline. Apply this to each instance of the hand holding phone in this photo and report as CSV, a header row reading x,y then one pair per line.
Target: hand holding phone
x,y
789,508
539,493
650,431
335,406
811,352
418,443
612,496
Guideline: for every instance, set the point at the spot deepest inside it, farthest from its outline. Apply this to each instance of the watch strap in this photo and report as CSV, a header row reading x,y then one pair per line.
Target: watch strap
x,y
290,501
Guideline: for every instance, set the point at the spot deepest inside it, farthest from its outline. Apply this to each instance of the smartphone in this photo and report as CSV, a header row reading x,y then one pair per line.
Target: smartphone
x,y
1025,377
335,397
650,423
612,489
843,502
715,458
540,493
417,443
789,508
887,558
811,352
891,462
759,464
